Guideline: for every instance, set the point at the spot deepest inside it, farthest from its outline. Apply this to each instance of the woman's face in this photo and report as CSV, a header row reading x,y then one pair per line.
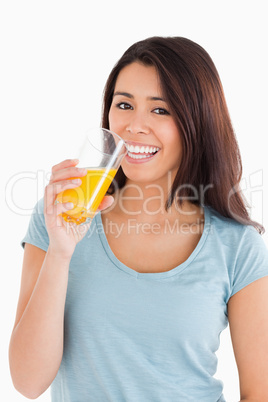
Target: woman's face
x,y
140,115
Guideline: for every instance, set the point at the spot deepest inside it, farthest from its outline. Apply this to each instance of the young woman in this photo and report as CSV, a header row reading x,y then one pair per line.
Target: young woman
x,y
132,309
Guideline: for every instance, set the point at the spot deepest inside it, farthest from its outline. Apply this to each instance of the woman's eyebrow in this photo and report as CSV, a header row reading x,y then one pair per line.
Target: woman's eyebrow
x,y
156,98
128,95
124,94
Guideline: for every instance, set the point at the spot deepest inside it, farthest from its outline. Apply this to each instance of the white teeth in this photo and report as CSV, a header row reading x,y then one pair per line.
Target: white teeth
x,y
135,156
141,149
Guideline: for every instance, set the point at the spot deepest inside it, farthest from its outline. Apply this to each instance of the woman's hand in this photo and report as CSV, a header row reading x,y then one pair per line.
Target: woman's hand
x,y
63,236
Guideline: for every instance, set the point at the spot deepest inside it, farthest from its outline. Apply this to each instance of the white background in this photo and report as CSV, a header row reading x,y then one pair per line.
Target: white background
x,y
55,58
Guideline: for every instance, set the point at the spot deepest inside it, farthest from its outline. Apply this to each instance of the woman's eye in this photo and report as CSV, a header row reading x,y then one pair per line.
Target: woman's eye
x,y
123,106
160,111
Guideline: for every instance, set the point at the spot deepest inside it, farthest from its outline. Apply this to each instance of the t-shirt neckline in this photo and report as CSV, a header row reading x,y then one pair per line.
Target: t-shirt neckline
x,y
156,275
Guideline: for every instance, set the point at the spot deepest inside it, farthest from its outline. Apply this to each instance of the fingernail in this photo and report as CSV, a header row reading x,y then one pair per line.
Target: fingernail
x,y
76,181
69,205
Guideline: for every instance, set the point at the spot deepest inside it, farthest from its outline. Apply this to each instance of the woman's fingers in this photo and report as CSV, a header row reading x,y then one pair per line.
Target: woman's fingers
x,y
54,211
53,189
64,164
60,208
106,202
67,173
65,170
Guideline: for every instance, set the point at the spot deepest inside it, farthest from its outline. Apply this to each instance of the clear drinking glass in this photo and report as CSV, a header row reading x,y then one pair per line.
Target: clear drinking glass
x,y
101,154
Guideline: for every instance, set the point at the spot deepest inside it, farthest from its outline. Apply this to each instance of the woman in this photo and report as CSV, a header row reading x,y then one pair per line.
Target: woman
x,y
132,309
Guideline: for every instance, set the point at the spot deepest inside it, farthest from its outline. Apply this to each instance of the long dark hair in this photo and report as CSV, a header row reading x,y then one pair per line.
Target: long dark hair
x,y
193,91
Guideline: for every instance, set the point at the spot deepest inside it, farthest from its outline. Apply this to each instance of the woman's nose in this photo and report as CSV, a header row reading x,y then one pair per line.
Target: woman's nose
x,y
138,124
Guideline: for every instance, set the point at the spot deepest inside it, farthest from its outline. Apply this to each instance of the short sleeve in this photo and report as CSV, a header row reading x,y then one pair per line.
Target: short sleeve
x,y
251,260
37,234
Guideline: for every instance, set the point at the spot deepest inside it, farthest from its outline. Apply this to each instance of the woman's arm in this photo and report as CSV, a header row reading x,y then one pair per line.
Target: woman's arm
x,y
36,343
248,319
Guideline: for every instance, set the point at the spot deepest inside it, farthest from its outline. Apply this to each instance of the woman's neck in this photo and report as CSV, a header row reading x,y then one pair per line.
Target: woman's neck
x,y
148,202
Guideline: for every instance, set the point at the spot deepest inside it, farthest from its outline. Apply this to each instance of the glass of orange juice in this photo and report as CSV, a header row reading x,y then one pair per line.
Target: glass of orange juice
x,y
101,154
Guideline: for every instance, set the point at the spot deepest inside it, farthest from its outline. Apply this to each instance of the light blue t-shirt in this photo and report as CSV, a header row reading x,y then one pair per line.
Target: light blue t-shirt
x,y
150,337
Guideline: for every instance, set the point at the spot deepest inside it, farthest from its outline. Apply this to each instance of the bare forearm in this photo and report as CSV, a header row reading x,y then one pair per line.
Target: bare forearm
x,y
37,340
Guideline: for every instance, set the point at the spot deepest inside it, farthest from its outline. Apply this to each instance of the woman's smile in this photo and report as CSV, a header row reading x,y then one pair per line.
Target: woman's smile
x,y
140,153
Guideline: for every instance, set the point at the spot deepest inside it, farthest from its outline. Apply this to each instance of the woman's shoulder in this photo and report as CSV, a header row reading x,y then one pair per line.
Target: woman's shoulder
x,y
36,233
230,231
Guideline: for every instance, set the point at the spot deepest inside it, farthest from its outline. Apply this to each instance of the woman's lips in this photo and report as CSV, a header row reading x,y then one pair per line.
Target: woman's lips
x,y
140,157
140,153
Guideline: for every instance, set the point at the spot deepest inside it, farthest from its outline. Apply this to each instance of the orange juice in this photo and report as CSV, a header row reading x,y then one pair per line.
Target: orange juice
x,y
88,196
